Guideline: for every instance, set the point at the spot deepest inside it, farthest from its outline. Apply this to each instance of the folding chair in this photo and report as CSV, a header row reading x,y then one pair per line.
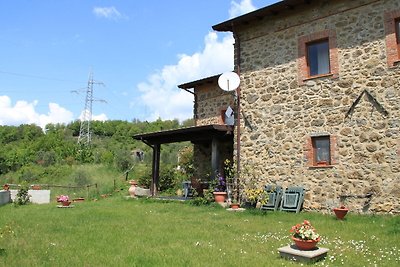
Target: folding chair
x,y
187,189
292,199
274,197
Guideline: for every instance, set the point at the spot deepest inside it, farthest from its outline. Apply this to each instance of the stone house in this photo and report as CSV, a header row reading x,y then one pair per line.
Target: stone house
x,y
320,95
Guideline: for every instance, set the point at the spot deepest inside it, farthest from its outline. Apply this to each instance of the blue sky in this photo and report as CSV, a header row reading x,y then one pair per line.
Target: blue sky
x,y
141,50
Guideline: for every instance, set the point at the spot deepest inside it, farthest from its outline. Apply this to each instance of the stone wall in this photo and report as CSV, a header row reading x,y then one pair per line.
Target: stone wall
x,y
202,156
210,102
282,113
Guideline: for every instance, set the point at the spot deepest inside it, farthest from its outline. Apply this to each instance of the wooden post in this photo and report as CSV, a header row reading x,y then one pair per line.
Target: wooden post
x,y
215,157
155,170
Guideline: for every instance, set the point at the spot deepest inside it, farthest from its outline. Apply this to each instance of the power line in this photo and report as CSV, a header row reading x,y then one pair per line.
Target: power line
x,y
36,77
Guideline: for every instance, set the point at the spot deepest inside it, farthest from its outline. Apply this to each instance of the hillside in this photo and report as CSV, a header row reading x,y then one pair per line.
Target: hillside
x,y
53,156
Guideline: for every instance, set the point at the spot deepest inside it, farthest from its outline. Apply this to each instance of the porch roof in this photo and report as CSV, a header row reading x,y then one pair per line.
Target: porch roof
x,y
208,80
194,134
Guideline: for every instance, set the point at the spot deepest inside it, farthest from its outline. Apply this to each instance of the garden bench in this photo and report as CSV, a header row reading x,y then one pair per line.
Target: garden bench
x,y
292,199
274,197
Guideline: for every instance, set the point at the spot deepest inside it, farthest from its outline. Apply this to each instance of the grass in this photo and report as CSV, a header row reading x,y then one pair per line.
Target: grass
x,y
124,232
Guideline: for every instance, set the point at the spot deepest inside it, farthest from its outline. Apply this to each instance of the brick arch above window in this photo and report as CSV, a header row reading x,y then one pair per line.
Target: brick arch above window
x,y
392,37
303,61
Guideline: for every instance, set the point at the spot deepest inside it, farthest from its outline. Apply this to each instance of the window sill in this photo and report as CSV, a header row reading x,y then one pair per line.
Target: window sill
x,y
318,76
320,166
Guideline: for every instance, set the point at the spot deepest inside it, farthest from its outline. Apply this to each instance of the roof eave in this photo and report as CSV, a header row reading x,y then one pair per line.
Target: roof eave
x,y
208,80
259,14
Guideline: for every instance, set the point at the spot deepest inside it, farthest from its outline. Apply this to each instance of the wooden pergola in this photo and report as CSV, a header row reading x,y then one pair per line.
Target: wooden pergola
x,y
213,134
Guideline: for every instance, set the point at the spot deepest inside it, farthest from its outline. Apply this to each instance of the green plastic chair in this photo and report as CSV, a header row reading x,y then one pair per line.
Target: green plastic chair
x,y
293,198
187,189
274,197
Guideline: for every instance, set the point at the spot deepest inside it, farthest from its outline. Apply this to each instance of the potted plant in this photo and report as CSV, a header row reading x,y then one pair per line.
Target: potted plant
x,y
256,196
305,236
219,187
64,200
340,212
36,187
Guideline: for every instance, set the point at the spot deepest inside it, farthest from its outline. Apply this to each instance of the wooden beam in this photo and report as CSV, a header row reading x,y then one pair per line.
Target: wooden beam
x,y
215,157
155,171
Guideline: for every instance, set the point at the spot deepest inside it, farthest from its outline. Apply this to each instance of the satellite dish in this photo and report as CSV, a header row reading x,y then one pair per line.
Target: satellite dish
x,y
228,81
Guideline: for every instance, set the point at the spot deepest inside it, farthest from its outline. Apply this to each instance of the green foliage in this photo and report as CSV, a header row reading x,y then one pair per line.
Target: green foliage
x,y
199,201
186,160
107,157
123,159
46,158
142,173
167,178
84,154
32,155
81,178
22,197
29,173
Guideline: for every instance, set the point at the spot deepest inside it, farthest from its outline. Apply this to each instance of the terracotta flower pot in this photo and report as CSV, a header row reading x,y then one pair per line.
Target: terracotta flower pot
x,y
305,244
66,203
235,206
132,188
340,212
79,199
219,197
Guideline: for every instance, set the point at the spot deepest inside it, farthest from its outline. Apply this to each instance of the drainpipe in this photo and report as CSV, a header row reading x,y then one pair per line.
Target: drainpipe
x,y
237,65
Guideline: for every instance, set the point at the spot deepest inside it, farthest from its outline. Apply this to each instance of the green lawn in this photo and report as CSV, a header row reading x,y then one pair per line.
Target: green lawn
x,y
125,232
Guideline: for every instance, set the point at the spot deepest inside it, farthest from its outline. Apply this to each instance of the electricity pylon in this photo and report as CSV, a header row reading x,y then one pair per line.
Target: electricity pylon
x,y
84,132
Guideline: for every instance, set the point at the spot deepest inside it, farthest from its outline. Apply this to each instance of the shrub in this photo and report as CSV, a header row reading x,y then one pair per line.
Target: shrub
x,y
29,173
167,178
22,197
81,178
199,201
123,160
142,174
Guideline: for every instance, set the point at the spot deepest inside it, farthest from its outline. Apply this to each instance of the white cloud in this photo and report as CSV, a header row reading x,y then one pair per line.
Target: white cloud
x,y
160,93
24,112
100,117
237,9
108,13
56,114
